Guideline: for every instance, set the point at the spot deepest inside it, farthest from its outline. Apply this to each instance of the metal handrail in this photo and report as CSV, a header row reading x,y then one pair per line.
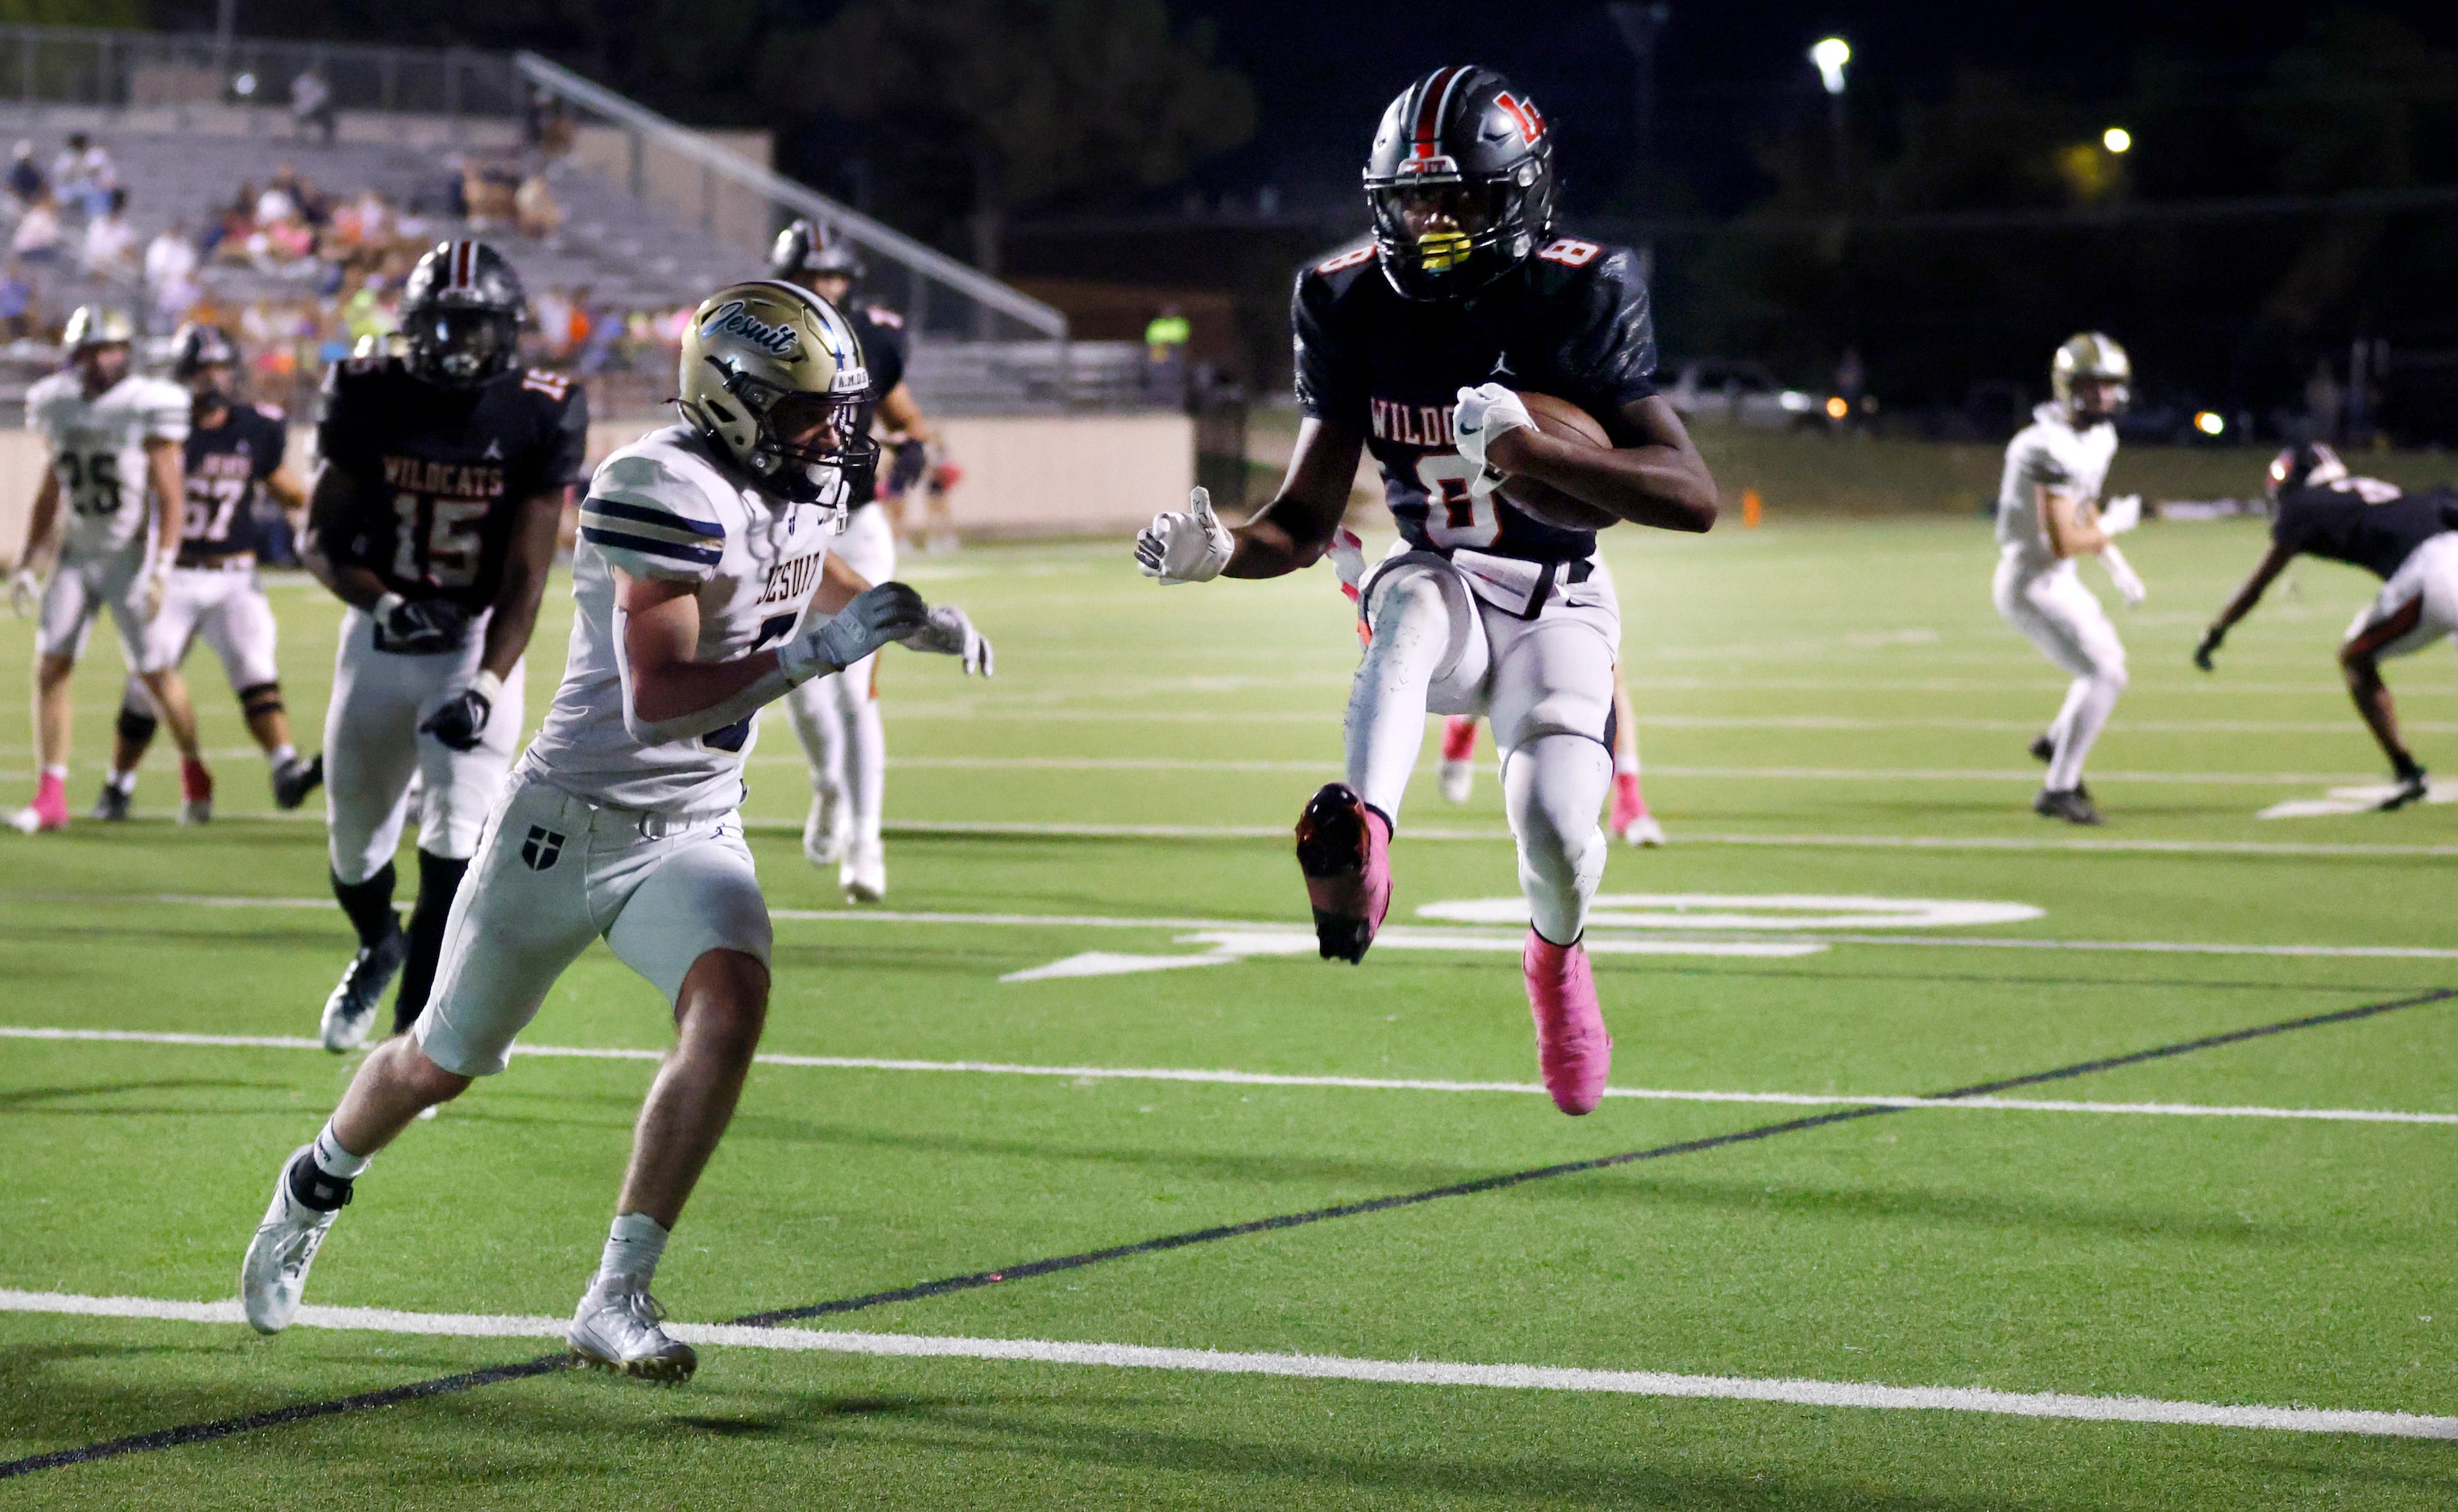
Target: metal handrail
x,y
865,232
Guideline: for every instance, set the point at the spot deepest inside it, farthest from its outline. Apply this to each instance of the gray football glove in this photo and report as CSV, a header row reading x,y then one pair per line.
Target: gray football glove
x,y
877,616
949,633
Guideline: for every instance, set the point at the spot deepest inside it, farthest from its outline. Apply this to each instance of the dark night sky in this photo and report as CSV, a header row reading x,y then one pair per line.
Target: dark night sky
x,y
1323,72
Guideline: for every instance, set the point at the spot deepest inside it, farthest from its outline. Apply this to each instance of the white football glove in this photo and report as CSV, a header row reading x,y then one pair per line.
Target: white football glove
x,y
948,633
1485,412
24,591
2121,572
1190,546
2121,513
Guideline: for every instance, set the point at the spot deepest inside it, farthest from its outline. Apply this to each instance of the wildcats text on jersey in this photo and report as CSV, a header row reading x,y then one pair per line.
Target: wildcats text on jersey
x,y
456,478
1425,426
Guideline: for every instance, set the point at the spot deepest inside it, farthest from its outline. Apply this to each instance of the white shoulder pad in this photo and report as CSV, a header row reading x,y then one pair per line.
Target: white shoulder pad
x,y
43,401
2039,458
165,405
651,512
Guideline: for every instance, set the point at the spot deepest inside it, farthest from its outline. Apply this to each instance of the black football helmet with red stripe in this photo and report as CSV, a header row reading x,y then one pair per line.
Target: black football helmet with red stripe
x,y
1461,180
461,313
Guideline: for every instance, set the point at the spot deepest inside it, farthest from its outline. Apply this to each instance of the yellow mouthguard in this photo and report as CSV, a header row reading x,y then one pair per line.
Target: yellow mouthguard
x,y
1442,250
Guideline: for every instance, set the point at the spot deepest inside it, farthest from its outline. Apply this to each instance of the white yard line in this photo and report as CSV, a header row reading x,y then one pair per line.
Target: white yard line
x,y
1776,773
1794,1392
1118,1073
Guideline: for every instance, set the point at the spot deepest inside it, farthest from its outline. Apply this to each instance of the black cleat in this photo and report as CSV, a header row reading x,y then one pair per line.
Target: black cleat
x,y
1347,871
352,1008
2072,805
113,806
293,781
2414,789
2044,749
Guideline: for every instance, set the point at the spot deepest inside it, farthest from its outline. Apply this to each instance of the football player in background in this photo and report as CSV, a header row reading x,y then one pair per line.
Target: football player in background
x,y
440,485
1415,343
115,439
837,718
2408,540
1456,773
700,595
2048,514
233,462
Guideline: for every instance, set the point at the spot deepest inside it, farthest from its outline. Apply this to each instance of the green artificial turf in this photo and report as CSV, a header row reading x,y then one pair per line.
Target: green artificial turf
x,y
1826,709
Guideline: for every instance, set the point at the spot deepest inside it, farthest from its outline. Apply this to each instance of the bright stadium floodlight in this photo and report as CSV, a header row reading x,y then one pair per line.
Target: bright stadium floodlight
x,y
1830,55
2209,424
2116,139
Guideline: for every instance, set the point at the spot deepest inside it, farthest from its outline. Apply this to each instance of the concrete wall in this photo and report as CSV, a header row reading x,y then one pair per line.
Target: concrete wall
x,y
1046,475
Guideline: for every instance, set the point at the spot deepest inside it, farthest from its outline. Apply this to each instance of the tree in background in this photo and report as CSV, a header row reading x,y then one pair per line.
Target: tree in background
x,y
1037,97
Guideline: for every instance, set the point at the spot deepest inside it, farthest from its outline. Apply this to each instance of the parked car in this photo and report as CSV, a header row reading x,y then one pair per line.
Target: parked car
x,y
1743,393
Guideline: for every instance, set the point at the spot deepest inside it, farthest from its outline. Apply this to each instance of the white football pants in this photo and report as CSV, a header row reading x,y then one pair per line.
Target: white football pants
x,y
2431,574
2064,619
226,609
372,746
80,591
1545,683
835,719
555,871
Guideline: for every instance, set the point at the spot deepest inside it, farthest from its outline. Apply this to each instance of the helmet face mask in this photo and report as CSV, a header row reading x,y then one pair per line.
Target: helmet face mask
x,y
462,311
772,376
206,360
99,340
1460,183
807,253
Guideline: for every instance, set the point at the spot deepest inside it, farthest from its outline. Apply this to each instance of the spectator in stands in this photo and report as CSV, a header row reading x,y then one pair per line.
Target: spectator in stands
x,y
535,210
550,315
85,175
111,241
311,104
171,272
36,241
26,181
488,191
278,201
16,301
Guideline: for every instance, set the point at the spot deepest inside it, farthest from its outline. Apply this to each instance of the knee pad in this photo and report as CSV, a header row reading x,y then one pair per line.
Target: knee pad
x,y
135,727
260,700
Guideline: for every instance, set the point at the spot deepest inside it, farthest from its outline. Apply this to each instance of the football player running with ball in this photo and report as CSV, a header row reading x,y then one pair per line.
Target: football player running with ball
x,y
114,475
2048,515
2408,540
434,519
234,457
1418,343
699,598
837,718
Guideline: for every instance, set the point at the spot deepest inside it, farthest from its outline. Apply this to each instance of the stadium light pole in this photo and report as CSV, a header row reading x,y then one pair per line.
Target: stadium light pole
x,y
1830,54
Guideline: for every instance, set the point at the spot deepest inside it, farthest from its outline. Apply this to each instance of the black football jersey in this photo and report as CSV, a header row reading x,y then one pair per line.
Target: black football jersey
x,y
1573,321
2363,522
882,333
228,511
441,472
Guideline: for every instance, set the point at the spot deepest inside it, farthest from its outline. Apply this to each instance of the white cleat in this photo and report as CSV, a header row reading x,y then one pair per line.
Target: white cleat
x,y
275,1272
195,811
1458,779
350,1012
616,1329
864,876
823,842
1643,831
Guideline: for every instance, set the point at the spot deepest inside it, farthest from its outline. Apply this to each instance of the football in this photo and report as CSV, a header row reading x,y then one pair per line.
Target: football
x,y
1563,421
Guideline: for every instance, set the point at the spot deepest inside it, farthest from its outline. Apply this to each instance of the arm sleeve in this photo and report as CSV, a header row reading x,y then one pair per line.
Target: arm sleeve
x,y
651,522
1331,376
1609,357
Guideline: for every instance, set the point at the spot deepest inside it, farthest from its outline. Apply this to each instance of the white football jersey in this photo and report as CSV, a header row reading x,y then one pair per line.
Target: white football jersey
x,y
2049,452
98,453
665,508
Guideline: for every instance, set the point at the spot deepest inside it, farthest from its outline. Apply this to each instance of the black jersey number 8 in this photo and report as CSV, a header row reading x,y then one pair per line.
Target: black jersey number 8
x,y
94,482
448,550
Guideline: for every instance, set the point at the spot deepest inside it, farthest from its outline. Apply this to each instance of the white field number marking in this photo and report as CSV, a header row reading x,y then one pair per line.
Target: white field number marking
x,y
1313,1367
1747,912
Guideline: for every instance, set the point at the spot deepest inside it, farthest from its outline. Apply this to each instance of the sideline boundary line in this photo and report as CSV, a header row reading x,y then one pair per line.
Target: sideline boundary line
x,y
223,1428
1236,1078
1794,1390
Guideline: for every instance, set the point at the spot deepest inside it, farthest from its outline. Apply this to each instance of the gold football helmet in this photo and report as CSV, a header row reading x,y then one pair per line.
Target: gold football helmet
x,y
773,377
